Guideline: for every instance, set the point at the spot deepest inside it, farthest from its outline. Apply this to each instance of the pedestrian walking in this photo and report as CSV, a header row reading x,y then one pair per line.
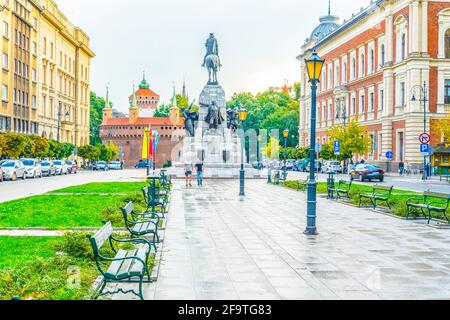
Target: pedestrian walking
x,y
401,168
200,171
188,167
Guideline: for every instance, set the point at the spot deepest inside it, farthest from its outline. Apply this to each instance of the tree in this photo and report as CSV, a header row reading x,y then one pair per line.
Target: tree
x,y
272,150
162,112
13,145
113,150
327,152
41,146
96,117
443,128
89,152
353,138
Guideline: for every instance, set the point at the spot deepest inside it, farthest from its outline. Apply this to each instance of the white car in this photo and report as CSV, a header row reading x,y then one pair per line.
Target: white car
x,y
33,168
333,166
13,169
114,165
60,167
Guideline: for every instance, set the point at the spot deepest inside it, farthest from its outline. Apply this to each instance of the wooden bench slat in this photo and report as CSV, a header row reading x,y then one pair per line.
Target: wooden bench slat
x,y
102,235
124,270
114,268
137,267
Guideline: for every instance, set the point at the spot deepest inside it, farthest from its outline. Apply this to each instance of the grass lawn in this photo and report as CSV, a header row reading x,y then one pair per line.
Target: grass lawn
x,y
105,188
19,250
57,212
397,202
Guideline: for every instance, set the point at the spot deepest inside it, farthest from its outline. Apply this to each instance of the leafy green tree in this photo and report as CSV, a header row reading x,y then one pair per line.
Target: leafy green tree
x,y
41,146
13,145
96,117
354,139
327,152
162,111
113,150
89,152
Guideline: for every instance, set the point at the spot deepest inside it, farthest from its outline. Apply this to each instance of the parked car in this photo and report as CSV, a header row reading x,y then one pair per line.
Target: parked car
x,y
33,168
289,165
1,175
48,168
143,164
365,172
114,165
301,165
100,166
60,167
13,169
72,167
332,166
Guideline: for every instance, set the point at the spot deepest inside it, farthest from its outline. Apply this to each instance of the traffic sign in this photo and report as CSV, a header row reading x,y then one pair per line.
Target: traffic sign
x,y
425,148
337,147
424,138
389,155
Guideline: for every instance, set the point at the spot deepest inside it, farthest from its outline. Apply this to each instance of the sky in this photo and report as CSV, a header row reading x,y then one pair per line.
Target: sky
x,y
258,42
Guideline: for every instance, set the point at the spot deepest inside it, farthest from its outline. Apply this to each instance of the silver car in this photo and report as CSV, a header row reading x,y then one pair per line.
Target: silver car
x,y
332,166
13,169
60,167
33,168
114,165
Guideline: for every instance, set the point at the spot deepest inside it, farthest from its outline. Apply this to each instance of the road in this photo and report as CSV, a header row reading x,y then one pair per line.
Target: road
x,y
12,190
403,183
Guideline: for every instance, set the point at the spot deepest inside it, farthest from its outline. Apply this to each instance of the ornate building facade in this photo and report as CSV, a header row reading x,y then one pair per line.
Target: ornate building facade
x,y
45,72
128,132
374,63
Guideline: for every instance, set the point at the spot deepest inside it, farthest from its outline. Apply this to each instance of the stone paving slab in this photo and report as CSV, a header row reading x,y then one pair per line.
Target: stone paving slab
x,y
219,247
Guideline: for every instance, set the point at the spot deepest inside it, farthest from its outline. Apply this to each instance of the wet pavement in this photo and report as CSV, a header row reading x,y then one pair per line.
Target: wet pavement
x,y
219,247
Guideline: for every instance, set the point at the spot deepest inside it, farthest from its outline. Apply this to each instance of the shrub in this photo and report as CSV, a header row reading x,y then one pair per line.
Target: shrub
x,y
112,215
76,245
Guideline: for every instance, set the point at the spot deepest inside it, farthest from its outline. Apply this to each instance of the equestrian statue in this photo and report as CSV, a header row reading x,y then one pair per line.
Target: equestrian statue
x,y
211,61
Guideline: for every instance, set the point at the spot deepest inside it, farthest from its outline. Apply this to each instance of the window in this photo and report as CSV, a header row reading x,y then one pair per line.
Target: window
x,y
363,65
403,47
330,112
34,48
383,56
5,61
363,104
33,102
5,29
344,73
447,44
5,93
353,68
372,102
353,105
447,92
33,75
381,100
402,93
372,61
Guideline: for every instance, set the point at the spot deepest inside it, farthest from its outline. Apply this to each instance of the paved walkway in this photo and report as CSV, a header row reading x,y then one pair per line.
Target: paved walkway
x,y
217,247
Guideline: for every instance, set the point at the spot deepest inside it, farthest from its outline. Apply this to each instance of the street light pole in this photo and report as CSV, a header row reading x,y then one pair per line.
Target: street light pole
x,y
258,155
285,135
314,66
154,151
424,100
242,117
147,141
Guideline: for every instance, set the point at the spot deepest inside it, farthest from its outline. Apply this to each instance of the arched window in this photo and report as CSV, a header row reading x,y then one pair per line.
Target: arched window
x,y
372,61
447,44
403,46
383,55
363,65
354,68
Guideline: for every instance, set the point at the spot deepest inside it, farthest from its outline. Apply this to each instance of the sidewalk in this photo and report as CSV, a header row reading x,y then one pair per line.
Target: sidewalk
x,y
218,247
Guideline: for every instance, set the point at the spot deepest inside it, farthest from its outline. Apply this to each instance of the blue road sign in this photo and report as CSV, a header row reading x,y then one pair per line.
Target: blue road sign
x,y
389,155
425,148
337,147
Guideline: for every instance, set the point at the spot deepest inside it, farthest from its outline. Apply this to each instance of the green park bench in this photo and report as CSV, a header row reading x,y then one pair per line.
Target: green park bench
x,y
154,201
140,224
444,177
343,189
379,194
429,203
129,266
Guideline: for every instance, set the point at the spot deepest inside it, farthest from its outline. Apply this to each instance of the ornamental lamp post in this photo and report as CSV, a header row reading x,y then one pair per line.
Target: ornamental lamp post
x,y
285,135
242,113
147,141
422,91
314,66
258,156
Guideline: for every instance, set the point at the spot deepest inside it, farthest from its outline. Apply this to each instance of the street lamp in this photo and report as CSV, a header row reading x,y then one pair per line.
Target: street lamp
x,y
258,151
285,135
242,113
314,66
422,91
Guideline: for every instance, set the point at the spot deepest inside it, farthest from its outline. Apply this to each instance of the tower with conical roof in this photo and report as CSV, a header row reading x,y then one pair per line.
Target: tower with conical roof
x,y
174,110
147,101
107,111
134,110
